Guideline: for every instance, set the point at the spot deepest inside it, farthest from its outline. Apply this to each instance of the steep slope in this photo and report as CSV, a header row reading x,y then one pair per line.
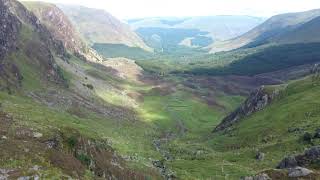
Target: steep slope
x,y
43,92
19,26
58,24
9,75
306,33
276,122
98,26
62,29
268,31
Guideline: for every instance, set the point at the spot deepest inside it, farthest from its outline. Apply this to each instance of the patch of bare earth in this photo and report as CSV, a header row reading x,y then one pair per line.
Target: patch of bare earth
x,y
125,68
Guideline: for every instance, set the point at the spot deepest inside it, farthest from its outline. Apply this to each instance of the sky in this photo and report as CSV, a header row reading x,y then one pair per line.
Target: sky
x,y
129,9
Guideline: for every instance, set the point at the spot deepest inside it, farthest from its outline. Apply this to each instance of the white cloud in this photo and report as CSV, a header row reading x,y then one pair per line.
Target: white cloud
x,y
144,8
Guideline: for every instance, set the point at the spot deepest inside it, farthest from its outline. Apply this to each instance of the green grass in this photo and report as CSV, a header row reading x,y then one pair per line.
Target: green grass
x,y
158,114
167,111
119,50
197,153
267,130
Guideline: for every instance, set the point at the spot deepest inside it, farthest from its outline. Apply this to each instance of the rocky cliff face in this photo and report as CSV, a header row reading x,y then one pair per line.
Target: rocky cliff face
x,y
10,27
62,29
28,18
256,102
58,24
40,51
98,26
9,30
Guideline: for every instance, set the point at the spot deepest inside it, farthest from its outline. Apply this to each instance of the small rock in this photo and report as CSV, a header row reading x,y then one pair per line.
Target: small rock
x,y
24,178
37,135
288,162
260,156
262,177
35,168
299,172
307,137
294,130
257,177
4,137
26,150
313,153
317,133
52,143
247,178
158,164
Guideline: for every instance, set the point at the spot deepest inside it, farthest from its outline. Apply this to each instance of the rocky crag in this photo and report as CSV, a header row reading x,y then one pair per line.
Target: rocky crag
x,y
258,100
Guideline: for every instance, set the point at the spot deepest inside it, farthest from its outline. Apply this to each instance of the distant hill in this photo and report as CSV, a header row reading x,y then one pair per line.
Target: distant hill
x,y
223,27
308,32
167,39
274,30
218,27
98,26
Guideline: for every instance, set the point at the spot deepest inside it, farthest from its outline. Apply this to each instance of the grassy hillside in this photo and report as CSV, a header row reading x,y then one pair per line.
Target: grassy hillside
x,y
92,106
269,59
119,50
269,31
251,61
271,130
306,33
64,117
129,125
98,26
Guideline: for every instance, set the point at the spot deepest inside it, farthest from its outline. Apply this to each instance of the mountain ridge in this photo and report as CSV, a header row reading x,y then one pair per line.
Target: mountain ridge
x,y
98,26
264,33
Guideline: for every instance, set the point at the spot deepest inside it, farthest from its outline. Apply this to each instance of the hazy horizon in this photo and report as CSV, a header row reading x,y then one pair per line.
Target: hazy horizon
x,y
155,8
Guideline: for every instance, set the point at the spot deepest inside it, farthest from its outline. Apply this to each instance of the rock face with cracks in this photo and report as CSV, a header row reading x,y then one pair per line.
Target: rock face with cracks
x,y
258,100
10,27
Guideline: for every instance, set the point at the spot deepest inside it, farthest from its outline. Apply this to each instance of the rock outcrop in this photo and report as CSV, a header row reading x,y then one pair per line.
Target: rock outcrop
x,y
257,177
299,172
19,27
28,18
62,30
98,26
258,100
9,29
9,34
58,24
310,156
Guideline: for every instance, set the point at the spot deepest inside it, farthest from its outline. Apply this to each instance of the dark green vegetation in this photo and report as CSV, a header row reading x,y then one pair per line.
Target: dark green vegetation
x,y
270,59
120,50
250,61
176,54
166,39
